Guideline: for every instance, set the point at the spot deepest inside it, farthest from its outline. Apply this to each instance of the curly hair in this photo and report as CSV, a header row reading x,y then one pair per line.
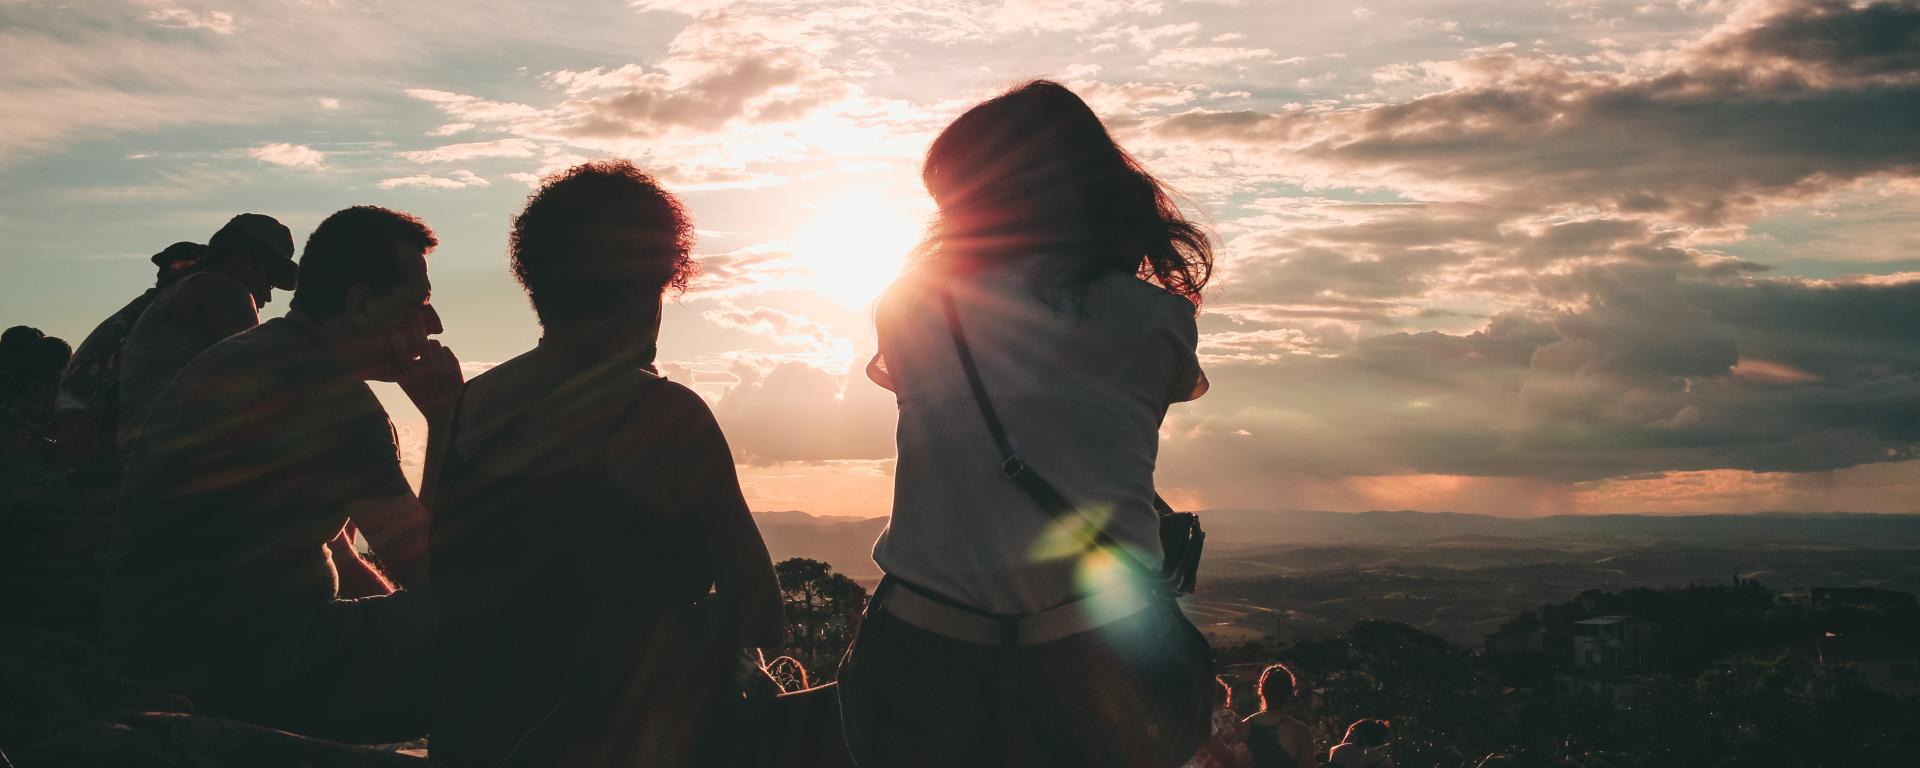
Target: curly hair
x,y
1276,686
594,237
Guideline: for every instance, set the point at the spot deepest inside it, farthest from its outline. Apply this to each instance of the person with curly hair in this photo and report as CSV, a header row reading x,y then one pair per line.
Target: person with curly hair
x,y
595,568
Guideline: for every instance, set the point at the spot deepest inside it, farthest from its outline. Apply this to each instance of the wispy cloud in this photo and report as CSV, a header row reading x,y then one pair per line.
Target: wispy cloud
x,y
471,150
289,155
217,22
456,180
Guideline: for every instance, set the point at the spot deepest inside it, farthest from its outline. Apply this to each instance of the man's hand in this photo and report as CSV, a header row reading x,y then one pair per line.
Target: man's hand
x,y
432,380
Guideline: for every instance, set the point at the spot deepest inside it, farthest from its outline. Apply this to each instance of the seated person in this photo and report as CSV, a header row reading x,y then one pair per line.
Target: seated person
x,y
1275,738
222,583
596,572
245,261
1364,747
30,363
89,402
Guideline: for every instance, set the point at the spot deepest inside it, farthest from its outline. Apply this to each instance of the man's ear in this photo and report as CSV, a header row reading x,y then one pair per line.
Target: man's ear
x,y
359,306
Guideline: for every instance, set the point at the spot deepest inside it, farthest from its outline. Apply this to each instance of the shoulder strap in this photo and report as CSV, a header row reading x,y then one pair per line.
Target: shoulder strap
x,y
1051,503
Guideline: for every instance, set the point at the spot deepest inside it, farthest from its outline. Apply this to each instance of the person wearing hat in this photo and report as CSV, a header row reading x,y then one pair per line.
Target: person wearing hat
x,y
86,410
227,579
245,261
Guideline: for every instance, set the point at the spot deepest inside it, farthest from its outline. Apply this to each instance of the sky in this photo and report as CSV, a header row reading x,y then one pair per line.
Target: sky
x,y
1514,258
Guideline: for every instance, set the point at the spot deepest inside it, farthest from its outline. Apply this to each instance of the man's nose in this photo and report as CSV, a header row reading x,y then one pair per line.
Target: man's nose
x,y
431,318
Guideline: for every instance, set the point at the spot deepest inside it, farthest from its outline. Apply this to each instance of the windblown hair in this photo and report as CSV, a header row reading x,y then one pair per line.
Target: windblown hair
x,y
595,237
1369,733
355,246
1277,687
1033,171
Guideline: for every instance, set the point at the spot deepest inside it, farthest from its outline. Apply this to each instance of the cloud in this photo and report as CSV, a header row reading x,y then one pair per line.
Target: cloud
x,y
289,155
1207,56
1654,372
1810,98
796,412
786,330
1149,38
471,150
217,22
457,180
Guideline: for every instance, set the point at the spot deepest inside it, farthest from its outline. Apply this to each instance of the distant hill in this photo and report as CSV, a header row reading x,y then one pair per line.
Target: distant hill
x,y
1233,527
1457,575
846,543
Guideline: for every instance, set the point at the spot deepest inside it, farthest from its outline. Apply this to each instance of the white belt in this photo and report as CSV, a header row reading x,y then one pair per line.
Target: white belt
x,y
1091,612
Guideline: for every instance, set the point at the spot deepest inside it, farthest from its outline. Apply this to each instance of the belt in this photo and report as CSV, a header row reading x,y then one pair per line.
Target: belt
x,y
941,617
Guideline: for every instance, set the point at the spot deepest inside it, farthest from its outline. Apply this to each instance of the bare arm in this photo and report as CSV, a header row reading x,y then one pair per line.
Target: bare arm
x,y
397,526
746,591
396,530
358,578
697,468
1302,746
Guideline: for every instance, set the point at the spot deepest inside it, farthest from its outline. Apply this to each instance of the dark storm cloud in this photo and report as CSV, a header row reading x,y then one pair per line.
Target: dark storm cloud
x,y
1816,95
1835,38
1660,373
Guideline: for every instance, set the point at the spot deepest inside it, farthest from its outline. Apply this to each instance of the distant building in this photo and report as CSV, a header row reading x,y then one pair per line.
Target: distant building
x,y
1885,664
1610,644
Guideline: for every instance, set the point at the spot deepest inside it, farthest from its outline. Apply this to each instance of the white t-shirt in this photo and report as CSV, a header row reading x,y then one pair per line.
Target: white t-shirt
x,y
1081,395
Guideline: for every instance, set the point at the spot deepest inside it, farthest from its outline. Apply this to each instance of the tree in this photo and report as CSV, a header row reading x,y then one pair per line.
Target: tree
x,y
823,611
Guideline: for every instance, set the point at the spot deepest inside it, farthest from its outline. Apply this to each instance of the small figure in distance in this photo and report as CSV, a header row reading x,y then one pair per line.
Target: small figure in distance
x,y
1275,738
245,261
1226,747
229,579
596,571
89,401
1364,746
30,363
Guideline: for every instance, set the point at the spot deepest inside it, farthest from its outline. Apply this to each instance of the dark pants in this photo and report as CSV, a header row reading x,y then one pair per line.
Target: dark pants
x,y
348,670
1132,693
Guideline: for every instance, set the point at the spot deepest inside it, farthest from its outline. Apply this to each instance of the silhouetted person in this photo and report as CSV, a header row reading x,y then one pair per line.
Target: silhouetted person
x,y
1364,746
89,403
1226,745
223,583
1276,739
998,637
245,261
30,363
588,507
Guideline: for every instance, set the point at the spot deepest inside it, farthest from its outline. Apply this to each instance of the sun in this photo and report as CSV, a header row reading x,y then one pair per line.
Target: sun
x,y
856,242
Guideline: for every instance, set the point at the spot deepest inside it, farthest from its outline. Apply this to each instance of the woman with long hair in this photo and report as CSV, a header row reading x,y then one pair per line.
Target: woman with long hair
x,y
1057,292
595,569
1276,739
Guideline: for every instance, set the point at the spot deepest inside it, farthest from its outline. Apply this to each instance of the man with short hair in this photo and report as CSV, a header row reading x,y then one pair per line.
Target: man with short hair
x,y
87,409
245,261
223,584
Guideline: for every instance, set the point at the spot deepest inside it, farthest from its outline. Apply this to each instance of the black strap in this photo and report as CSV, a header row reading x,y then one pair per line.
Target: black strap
x,y
1051,503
